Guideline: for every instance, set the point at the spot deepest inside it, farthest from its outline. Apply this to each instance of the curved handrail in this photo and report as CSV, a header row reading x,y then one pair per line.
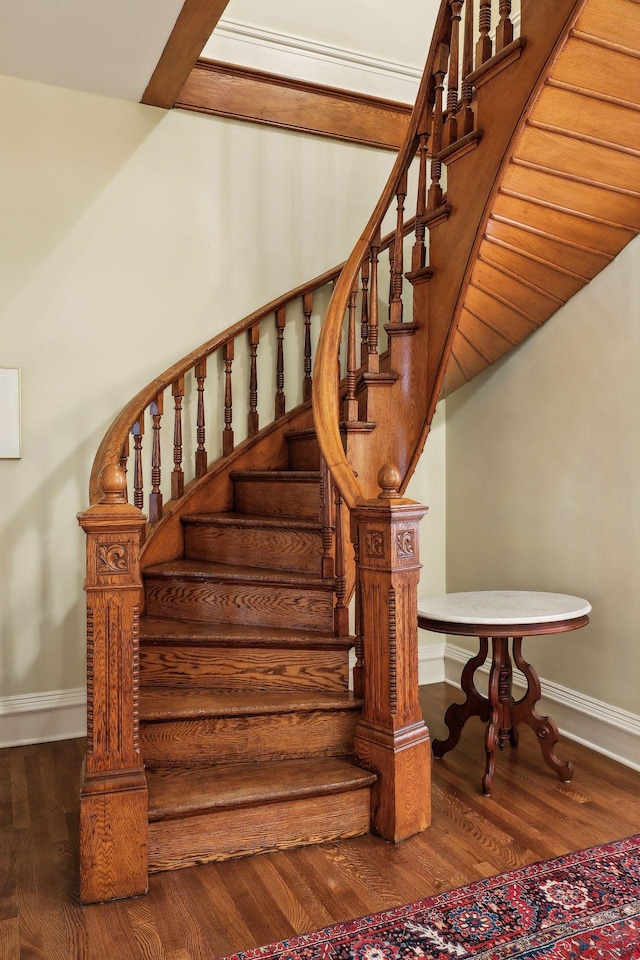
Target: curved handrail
x,y
429,119
325,395
110,449
115,439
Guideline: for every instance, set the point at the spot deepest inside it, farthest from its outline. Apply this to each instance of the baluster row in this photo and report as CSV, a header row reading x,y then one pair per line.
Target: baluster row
x,y
442,124
155,410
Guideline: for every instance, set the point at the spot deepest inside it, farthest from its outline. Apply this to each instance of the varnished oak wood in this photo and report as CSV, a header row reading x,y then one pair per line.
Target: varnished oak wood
x,y
203,912
248,94
543,202
195,24
194,632
245,784
237,738
248,668
294,544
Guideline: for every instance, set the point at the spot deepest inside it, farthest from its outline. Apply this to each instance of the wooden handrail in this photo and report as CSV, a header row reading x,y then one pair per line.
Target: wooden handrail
x,y
440,127
116,437
325,395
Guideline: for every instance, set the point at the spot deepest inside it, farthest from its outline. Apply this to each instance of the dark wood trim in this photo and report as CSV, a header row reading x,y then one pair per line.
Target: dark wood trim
x,y
195,24
227,90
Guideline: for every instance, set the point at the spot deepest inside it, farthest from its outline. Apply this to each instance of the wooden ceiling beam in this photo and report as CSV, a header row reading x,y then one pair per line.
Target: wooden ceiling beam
x,y
195,24
242,93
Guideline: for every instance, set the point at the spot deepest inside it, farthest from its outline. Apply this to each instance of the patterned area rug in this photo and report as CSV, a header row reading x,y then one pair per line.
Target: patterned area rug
x,y
585,905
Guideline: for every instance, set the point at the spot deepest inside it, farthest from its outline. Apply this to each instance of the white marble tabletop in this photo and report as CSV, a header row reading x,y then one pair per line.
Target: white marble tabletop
x,y
497,607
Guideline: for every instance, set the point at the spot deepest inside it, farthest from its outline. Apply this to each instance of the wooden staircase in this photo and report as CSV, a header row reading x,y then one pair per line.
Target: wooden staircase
x,y
247,722
221,718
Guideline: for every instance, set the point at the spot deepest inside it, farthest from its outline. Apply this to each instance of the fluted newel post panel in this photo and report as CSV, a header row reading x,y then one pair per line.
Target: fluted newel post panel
x,y
391,737
113,804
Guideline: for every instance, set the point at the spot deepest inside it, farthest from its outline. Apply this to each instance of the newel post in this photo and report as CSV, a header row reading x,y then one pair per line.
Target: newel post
x,y
113,804
392,737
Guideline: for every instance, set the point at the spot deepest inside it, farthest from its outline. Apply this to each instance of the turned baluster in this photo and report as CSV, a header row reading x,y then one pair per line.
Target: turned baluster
x,y
341,612
138,481
419,251
351,403
435,190
451,126
364,314
124,457
504,30
307,308
227,433
395,306
201,453
254,340
326,519
177,477
466,121
484,47
373,360
281,319
392,254
155,497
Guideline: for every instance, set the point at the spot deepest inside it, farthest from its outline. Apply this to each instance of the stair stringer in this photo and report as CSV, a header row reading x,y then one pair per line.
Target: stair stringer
x,y
503,100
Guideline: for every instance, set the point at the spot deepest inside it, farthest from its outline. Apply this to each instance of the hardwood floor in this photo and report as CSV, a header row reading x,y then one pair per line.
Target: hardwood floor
x,y
207,911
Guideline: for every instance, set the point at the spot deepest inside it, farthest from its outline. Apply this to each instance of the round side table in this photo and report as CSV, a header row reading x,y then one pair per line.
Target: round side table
x,y
498,615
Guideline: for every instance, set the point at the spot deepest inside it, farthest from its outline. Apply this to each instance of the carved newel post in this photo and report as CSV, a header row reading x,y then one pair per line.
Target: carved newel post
x,y
113,805
392,738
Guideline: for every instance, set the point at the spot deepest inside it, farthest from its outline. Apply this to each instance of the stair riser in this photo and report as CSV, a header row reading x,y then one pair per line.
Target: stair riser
x,y
278,498
238,739
225,834
304,453
252,667
266,605
297,550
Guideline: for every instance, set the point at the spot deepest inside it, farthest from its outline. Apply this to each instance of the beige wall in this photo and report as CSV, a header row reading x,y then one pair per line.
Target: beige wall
x,y
400,32
129,237
543,481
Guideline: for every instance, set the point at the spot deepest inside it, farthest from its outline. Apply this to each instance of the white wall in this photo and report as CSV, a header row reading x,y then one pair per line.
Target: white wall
x,y
130,236
400,32
374,48
543,482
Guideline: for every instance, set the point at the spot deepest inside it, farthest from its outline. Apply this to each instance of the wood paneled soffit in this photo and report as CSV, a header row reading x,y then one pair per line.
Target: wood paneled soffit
x,y
226,90
195,24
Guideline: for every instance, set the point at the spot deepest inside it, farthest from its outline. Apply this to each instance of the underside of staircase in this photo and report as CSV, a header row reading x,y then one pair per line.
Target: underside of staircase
x,y
224,719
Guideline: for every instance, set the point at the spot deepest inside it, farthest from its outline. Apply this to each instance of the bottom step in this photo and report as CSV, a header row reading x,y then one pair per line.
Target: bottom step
x,y
234,810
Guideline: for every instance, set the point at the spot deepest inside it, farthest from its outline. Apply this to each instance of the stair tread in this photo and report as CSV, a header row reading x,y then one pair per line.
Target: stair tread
x,y
309,476
174,703
179,791
253,519
304,434
208,570
235,634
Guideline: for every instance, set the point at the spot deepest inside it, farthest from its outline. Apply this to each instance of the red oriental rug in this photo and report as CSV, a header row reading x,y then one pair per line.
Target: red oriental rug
x,y
586,905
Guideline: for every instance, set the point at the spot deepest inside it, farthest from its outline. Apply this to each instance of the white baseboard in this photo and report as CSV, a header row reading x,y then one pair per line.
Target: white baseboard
x,y
42,717
600,726
431,663
61,714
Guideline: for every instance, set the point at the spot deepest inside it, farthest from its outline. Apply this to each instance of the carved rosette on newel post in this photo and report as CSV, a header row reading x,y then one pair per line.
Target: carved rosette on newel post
x,y
113,805
392,737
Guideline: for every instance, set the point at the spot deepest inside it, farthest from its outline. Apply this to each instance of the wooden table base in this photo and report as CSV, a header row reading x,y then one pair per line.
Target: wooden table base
x,y
500,711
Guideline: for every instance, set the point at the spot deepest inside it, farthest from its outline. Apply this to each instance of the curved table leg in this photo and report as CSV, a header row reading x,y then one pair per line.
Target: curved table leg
x,y
499,703
475,704
544,728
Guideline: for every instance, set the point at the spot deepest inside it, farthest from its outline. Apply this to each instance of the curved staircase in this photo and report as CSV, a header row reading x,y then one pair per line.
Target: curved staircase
x,y
221,721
